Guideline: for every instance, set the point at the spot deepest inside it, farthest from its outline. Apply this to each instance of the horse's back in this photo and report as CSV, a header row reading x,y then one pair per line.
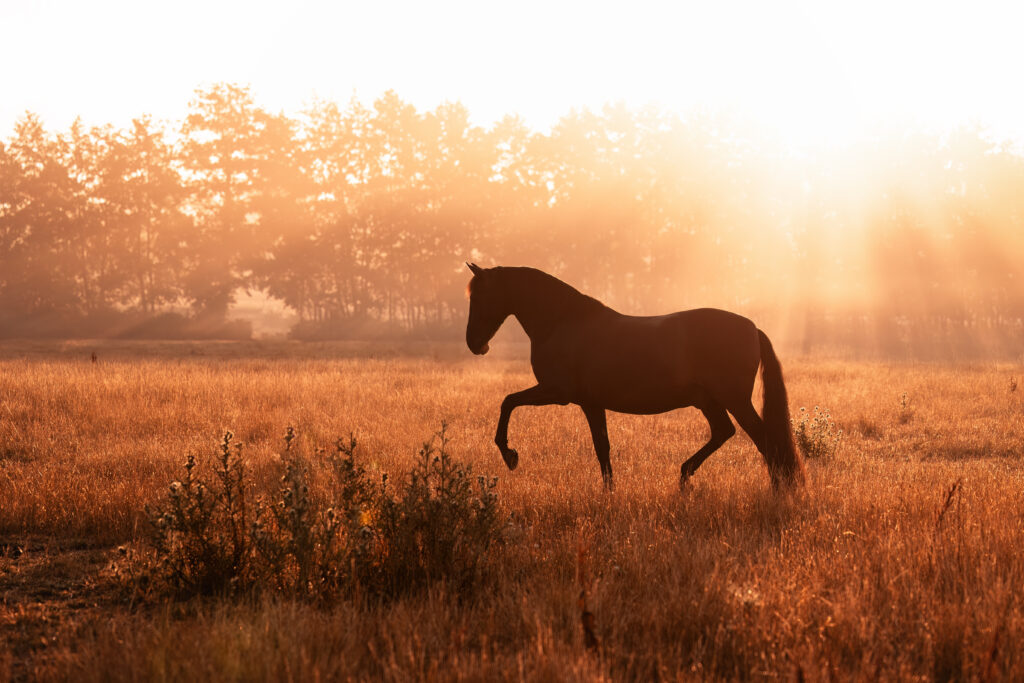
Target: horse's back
x,y
712,334
650,363
718,344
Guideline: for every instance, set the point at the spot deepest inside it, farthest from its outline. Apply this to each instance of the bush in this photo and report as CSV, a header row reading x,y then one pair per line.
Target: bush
x,y
816,436
440,525
199,536
357,538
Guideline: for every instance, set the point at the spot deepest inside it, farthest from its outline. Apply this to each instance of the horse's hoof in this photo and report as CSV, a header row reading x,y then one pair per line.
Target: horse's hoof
x,y
511,458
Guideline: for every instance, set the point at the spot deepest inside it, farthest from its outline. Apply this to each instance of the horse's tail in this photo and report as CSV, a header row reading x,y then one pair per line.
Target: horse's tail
x,y
780,453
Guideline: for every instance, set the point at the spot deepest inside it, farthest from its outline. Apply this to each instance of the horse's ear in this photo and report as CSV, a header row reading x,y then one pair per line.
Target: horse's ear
x,y
474,267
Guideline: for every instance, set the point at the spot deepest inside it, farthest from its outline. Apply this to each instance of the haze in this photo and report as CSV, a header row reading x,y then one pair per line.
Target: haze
x,y
847,175
811,72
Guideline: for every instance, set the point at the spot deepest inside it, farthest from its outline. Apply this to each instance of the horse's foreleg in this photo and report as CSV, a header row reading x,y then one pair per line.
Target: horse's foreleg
x,y
722,430
599,433
534,396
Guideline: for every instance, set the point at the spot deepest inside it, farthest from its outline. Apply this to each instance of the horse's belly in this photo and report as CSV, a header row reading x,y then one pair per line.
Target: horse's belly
x,y
641,388
651,403
639,373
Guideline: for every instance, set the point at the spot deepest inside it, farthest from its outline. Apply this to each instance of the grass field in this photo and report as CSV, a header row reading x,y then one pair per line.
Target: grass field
x,y
901,559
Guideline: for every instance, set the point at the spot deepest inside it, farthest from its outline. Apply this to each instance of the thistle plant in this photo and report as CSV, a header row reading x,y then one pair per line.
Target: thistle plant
x,y
356,536
816,435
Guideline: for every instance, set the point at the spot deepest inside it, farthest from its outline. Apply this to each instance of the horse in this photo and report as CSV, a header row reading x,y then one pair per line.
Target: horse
x,y
588,354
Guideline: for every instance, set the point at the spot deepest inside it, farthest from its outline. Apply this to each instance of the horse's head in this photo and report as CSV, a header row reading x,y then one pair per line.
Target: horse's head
x,y
488,308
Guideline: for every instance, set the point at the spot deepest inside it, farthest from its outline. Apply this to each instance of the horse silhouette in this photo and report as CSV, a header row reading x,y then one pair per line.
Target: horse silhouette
x,y
586,353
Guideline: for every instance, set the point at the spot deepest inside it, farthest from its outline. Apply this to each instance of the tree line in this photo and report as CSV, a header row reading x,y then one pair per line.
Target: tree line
x,y
358,219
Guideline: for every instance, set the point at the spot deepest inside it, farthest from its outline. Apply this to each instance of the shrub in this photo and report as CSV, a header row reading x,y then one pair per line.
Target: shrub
x,y
198,536
358,537
440,525
817,436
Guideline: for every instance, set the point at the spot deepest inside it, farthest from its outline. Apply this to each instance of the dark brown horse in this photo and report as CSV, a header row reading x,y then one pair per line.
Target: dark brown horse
x,y
585,353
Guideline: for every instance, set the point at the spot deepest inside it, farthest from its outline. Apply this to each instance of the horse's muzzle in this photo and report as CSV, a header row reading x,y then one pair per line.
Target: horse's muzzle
x,y
482,350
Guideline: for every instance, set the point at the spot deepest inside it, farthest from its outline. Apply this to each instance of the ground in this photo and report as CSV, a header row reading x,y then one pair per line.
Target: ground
x,y
900,558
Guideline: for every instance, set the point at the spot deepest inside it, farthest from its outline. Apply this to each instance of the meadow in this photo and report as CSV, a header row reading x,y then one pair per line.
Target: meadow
x,y
901,558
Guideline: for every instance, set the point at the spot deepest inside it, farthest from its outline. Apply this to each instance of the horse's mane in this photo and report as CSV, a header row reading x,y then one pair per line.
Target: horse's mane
x,y
549,290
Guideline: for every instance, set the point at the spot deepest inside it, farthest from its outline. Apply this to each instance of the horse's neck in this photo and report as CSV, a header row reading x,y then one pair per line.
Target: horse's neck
x,y
537,322
540,309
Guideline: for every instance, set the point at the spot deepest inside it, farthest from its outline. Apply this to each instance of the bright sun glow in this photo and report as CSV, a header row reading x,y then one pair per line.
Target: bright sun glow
x,y
811,72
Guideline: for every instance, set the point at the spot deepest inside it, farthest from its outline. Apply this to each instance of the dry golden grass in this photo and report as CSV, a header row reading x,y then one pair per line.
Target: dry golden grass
x,y
881,568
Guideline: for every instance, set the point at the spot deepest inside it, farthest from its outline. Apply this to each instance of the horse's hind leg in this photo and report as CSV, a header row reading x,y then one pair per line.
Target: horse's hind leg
x,y
598,422
721,430
751,423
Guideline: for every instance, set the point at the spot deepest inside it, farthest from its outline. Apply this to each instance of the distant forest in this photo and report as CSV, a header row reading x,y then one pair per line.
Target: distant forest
x,y
359,218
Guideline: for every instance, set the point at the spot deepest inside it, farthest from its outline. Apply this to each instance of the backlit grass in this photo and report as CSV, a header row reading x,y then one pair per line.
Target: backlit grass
x,y
901,559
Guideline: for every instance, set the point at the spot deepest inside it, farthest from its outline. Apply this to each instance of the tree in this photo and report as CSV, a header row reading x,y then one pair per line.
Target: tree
x,y
227,141
145,196
37,267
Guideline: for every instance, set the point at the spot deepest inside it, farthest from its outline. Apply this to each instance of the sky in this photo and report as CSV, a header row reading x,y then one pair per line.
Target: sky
x,y
812,72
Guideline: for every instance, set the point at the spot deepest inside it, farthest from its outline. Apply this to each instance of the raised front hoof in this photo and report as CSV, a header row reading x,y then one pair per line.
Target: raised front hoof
x,y
684,483
511,457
